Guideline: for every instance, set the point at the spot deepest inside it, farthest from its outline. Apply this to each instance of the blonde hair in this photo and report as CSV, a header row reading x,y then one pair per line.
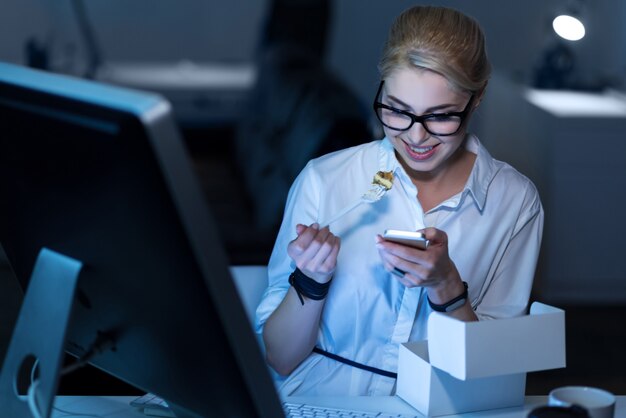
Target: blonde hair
x,y
439,39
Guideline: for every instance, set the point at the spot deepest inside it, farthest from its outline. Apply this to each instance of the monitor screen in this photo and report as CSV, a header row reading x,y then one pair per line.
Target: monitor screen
x,y
100,174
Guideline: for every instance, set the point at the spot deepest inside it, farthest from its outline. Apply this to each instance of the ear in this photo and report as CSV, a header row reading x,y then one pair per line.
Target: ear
x,y
479,95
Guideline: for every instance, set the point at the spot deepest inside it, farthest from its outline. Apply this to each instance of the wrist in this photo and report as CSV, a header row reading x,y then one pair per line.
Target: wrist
x,y
446,290
309,288
448,287
320,278
451,303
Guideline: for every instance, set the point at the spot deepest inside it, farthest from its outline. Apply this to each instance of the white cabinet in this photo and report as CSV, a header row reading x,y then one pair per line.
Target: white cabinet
x,y
573,146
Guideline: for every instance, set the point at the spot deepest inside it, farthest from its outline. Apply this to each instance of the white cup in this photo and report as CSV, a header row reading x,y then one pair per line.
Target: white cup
x,y
599,402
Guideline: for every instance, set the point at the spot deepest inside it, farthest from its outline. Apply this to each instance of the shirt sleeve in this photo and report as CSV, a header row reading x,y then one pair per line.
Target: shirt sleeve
x,y
508,292
301,208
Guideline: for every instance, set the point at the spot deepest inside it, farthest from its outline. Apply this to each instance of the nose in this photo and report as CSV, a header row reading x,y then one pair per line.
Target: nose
x,y
417,133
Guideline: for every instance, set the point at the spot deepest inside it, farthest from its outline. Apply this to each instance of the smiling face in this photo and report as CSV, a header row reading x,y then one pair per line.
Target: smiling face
x,y
423,92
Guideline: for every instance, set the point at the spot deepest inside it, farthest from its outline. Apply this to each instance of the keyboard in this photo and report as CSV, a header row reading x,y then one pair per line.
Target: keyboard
x,y
152,405
296,410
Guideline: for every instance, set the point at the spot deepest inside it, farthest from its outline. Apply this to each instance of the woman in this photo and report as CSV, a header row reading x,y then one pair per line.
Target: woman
x,y
342,290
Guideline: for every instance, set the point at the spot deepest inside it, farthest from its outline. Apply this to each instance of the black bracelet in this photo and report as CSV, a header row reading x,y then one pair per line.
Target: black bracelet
x,y
452,304
307,287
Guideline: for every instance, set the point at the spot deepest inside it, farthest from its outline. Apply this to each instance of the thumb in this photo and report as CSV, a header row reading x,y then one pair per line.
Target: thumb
x,y
300,229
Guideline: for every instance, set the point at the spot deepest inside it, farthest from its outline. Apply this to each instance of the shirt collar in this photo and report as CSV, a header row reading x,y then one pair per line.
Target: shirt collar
x,y
482,173
387,160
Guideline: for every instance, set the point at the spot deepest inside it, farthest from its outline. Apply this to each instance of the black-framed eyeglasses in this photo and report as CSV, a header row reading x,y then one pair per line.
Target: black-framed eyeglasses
x,y
440,124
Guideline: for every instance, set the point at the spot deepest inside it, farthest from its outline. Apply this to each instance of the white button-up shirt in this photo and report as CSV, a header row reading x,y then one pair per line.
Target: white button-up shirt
x,y
494,229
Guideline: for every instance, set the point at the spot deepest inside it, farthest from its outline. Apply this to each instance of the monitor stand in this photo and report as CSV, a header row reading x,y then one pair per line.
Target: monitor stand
x,y
39,334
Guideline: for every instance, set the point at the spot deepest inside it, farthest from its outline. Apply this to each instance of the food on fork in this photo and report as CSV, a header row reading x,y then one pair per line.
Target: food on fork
x,y
384,178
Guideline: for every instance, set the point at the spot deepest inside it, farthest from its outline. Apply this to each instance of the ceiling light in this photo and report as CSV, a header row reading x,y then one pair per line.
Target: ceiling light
x,y
568,27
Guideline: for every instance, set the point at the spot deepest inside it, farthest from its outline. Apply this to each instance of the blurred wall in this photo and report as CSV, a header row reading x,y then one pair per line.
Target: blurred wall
x,y
516,33
19,20
204,30
134,30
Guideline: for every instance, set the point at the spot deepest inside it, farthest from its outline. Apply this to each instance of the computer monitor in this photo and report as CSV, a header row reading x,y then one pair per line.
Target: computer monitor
x,y
100,174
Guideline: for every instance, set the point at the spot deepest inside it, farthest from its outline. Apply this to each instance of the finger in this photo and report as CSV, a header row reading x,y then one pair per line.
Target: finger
x,y
303,259
400,275
300,228
326,258
400,248
316,243
331,260
435,236
324,249
407,279
414,272
397,272
412,254
398,257
390,268
299,245
390,261
322,271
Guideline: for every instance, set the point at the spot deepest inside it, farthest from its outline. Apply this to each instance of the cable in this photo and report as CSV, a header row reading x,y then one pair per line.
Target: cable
x,y
33,370
104,340
36,413
32,401
93,49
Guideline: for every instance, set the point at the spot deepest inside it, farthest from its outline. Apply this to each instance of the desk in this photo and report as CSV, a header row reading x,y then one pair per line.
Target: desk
x,y
118,406
97,406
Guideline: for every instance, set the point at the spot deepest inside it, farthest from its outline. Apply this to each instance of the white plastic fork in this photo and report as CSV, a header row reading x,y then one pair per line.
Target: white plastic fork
x,y
374,194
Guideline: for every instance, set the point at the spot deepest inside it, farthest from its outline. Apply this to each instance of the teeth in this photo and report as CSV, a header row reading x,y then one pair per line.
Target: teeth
x,y
421,150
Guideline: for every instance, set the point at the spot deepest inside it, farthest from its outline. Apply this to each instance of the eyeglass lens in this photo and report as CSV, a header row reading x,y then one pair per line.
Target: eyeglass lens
x,y
435,124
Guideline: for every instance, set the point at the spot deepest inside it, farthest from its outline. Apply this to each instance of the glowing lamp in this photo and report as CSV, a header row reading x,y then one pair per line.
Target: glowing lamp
x,y
568,27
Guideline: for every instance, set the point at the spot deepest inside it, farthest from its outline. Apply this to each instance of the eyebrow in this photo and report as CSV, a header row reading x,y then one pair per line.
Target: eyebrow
x,y
429,110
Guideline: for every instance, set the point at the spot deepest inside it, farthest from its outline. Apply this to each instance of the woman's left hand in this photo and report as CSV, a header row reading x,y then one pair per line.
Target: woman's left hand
x,y
431,268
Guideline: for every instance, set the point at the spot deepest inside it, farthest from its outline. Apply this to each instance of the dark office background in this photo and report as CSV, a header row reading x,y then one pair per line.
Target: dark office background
x,y
299,76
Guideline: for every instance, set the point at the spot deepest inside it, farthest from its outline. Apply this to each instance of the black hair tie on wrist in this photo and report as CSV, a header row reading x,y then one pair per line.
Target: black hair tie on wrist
x,y
307,287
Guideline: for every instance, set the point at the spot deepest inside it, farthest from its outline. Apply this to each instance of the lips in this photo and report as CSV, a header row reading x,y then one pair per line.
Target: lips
x,y
420,153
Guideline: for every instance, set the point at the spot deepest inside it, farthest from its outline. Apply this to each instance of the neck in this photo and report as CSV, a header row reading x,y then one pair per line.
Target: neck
x,y
437,186
447,173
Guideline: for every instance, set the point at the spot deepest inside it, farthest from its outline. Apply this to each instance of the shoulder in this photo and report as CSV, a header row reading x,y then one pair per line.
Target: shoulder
x,y
514,194
508,174
514,183
499,185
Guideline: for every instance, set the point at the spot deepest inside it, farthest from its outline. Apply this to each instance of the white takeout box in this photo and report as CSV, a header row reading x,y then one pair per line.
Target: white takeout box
x,y
473,366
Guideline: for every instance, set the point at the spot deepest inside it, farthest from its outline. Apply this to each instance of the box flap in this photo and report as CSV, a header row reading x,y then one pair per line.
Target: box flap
x,y
500,346
434,392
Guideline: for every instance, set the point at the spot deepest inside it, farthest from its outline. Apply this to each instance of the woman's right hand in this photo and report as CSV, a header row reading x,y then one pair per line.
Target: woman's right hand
x,y
315,251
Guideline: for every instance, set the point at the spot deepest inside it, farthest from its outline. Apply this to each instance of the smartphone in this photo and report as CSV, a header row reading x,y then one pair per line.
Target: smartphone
x,y
410,238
